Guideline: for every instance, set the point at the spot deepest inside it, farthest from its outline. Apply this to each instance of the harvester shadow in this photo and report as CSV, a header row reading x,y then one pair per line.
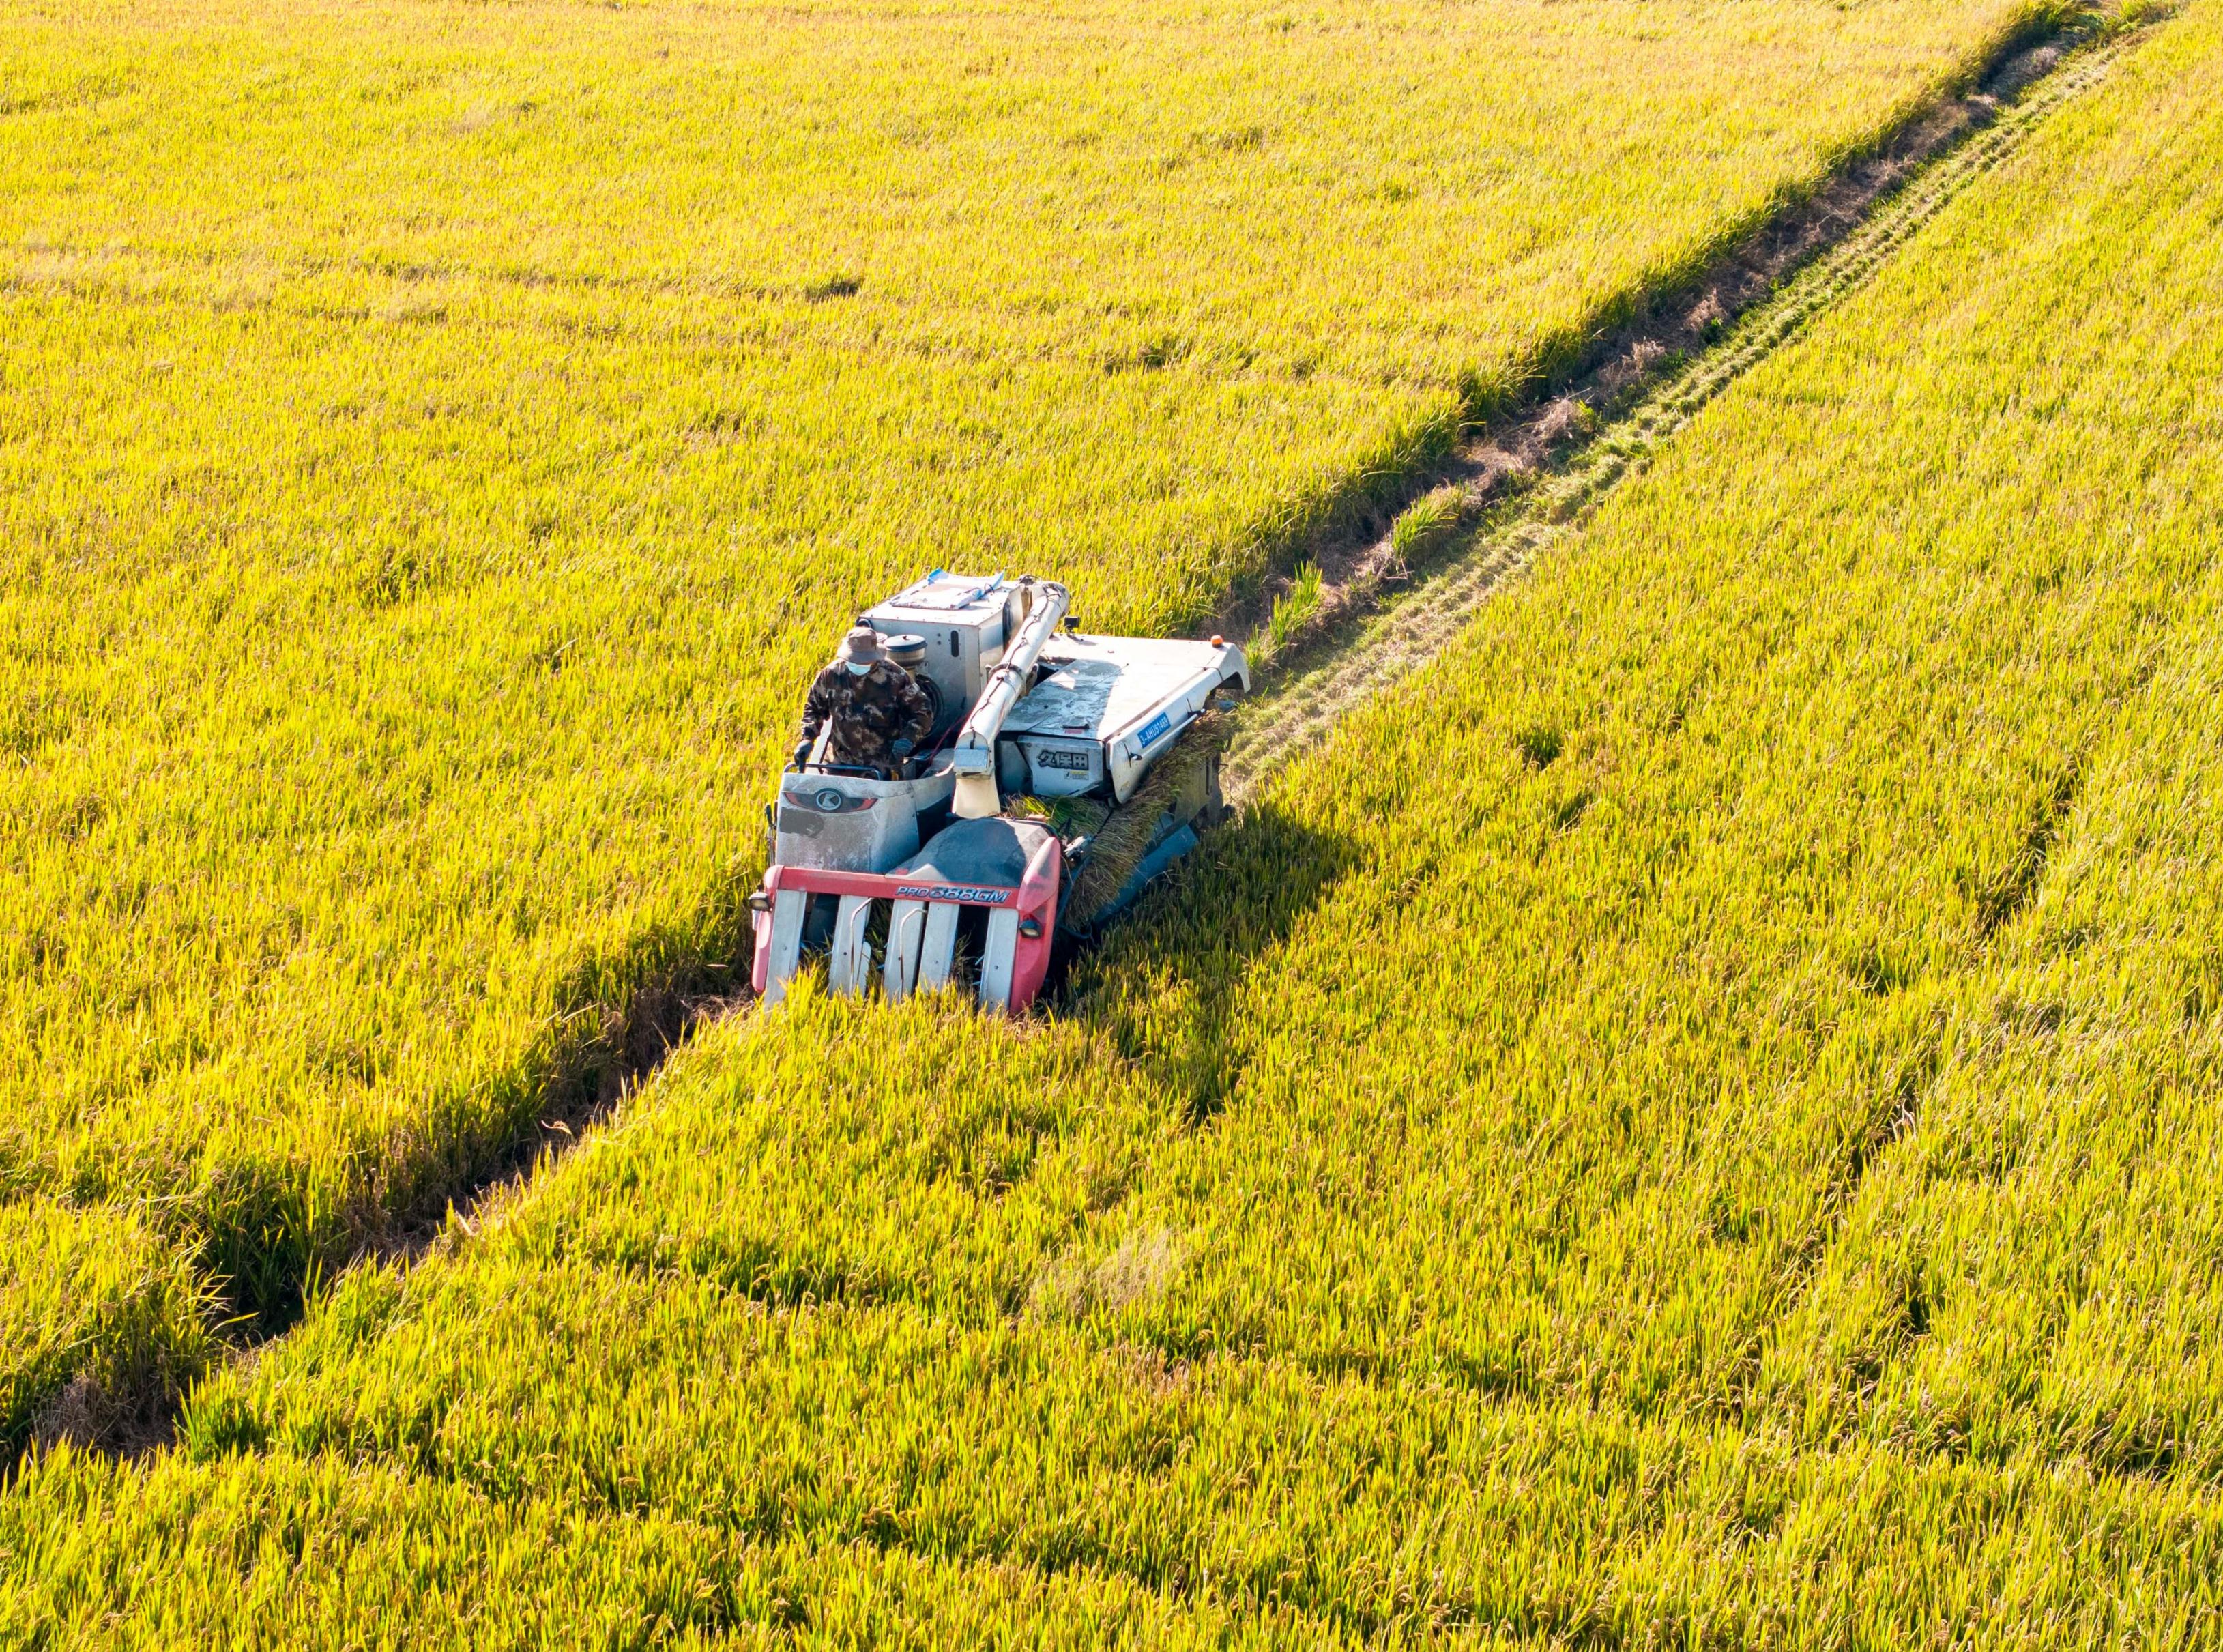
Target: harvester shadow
x,y
1165,983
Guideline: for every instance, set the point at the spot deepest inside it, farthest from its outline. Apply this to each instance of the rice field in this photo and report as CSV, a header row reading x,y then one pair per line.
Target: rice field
x,y
436,443
1689,1123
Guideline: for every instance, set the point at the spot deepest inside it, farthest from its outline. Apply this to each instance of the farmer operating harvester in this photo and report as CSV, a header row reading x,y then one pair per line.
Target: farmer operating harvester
x,y
972,778
871,711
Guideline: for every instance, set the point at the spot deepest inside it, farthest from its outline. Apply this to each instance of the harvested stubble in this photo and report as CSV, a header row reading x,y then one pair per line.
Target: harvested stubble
x,y
1822,1267
435,442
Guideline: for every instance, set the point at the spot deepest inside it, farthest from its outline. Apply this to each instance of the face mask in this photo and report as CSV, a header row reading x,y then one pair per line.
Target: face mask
x,y
859,667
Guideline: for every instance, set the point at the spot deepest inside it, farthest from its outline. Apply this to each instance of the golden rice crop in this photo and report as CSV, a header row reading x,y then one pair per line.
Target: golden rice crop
x,y
436,443
96,1299
1812,1028
274,1552
1688,1124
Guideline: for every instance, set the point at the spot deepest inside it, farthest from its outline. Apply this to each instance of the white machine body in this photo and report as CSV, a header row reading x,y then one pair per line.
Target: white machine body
x,y
850,822
965,619
931,859
1103,707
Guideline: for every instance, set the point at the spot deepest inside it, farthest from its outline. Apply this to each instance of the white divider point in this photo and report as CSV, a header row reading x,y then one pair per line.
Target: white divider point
x,y
906,930
849,965
997,961
940,951
786,942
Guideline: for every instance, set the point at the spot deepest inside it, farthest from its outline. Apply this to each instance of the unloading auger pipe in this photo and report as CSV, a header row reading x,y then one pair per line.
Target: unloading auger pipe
x,y
973,756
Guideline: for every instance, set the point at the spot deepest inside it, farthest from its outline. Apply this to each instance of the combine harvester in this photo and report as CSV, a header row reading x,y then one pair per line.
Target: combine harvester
x,y
1063,774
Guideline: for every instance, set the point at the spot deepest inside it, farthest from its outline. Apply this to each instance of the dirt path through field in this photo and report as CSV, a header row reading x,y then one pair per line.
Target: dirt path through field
x,y
1517,488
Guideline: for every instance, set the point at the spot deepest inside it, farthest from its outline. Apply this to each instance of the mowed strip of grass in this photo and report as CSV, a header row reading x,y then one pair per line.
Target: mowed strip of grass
x,y
910,1278
435,445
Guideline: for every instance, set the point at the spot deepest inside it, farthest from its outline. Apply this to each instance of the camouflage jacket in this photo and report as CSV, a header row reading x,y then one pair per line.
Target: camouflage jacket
x,y
869,713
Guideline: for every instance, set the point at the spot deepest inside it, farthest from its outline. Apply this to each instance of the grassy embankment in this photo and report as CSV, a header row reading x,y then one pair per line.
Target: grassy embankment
x,y
439,442
1690,1123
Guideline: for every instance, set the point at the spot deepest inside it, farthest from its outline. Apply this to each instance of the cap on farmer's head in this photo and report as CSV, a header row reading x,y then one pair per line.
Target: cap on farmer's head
x,y
861,647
